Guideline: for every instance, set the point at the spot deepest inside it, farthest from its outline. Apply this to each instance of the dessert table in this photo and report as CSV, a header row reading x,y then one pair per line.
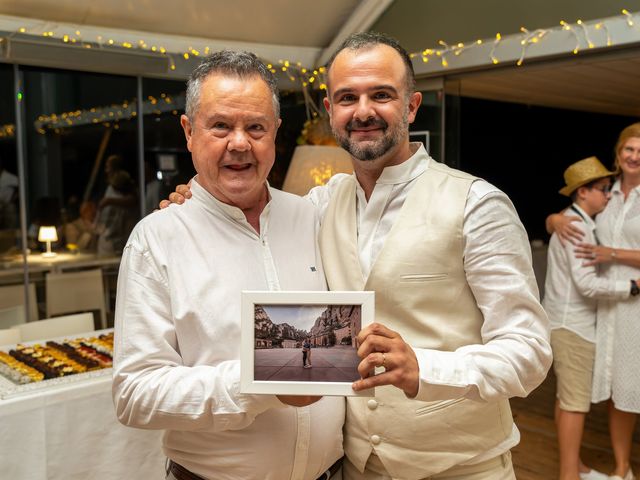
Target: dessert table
x,y
66,429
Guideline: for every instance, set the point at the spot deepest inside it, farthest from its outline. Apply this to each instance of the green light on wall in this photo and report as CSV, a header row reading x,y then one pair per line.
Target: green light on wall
x,y
19,96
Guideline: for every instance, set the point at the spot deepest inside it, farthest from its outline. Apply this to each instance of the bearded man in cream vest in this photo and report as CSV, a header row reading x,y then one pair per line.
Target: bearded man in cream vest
x,y
459,326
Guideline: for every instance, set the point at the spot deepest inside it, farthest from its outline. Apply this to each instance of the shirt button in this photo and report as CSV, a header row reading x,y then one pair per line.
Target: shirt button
x,y
375,439
372,404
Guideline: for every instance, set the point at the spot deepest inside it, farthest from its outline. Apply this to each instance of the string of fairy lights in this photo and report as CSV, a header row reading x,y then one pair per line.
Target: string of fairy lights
x,y
529,38
308,78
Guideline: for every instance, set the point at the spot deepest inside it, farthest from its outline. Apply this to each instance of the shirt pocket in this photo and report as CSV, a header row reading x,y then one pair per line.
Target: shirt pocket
x,y
423,277
437,406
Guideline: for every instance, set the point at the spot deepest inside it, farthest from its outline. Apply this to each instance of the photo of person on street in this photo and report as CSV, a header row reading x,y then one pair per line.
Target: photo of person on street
x,y
326,335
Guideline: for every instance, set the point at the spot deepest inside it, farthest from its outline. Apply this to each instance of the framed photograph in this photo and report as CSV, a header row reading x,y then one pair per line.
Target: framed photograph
x,y
302,343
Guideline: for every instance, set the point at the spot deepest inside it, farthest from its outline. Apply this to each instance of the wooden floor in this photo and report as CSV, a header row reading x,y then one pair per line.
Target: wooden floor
x,y
536,457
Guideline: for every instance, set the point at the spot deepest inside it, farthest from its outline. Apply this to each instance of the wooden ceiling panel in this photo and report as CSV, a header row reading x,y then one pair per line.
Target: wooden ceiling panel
x,y
598,83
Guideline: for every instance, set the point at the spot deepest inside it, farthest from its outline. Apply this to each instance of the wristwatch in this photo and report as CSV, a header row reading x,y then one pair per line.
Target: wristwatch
x,y
635,290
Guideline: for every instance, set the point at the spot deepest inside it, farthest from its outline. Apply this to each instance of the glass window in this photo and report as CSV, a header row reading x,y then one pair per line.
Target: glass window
x,y
81,165
427,126
167,162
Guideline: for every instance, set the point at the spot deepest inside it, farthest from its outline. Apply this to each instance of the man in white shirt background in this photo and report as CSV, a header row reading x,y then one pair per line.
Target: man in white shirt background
x,y
571,291
177,322
459,325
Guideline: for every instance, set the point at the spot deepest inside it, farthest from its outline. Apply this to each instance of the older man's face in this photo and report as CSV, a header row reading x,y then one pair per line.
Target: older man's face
x,y
232,138
368,102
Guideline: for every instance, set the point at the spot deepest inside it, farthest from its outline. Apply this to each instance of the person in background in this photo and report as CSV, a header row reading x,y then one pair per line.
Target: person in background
x,y
82,231
116,211
177,321
152,188
8,198
617,361
572,289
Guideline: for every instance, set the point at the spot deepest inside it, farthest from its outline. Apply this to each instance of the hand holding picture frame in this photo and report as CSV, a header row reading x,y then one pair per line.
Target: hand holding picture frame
x,y
302,343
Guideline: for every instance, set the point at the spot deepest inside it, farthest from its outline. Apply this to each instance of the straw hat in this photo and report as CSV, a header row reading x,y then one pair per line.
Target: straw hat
x,y
583,172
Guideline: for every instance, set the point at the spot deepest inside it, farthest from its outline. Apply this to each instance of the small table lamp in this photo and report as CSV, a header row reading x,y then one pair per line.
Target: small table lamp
x,y
48,234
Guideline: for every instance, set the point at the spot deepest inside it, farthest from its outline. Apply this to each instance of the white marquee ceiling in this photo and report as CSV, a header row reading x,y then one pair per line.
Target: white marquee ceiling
x,y
307,30
280,22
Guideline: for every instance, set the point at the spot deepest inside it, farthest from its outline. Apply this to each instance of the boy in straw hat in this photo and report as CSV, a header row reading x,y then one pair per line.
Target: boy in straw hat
x,y
571,293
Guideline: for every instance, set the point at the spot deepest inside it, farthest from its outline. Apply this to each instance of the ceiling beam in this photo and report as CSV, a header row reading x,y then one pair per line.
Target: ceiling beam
x,y
360,20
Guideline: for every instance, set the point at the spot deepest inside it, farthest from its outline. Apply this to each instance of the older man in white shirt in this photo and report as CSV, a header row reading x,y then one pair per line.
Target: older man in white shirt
x,y
176,364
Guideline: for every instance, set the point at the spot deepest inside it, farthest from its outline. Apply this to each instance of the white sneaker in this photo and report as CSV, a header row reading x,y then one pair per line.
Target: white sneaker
x,y
593,475
628,476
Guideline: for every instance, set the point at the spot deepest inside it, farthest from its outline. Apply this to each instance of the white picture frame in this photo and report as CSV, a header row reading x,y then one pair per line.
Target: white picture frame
x,y
269,367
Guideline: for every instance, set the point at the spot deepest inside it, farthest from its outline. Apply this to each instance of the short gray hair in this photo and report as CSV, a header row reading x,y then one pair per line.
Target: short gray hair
x,y
226,62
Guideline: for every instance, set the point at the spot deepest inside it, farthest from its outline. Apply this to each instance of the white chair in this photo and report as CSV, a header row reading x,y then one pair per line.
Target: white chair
x,y
13,295
56,327
74,292
10,336
12,316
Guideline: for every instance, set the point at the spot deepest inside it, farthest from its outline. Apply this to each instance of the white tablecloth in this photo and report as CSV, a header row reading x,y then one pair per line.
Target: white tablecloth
x,y
71,432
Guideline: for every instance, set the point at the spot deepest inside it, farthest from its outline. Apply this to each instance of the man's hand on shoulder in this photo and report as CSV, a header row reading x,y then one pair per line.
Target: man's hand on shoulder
x,y
382,347
182,193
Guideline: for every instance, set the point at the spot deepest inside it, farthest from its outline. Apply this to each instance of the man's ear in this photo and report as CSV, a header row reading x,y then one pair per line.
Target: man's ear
x,y
415,100
186,127
327,107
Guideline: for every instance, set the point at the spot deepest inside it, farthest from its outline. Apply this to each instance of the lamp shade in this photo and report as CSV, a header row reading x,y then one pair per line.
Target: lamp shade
x,y
313,165
47,234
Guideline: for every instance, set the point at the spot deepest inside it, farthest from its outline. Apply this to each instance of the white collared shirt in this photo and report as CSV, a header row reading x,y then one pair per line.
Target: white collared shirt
x,y
177,340
515,355
573,289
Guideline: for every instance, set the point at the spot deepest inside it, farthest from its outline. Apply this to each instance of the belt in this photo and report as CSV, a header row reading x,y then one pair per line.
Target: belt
x,y
332,470
182,473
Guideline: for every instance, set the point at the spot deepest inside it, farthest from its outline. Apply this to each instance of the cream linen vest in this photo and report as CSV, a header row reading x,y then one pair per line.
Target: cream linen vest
x,y
422,293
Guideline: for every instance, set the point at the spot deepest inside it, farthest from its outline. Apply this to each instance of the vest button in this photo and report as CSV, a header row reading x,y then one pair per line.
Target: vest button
x,y
372,404
375,439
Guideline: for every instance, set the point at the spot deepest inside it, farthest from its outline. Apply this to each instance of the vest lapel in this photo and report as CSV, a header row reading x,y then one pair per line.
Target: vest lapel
x,y
346,234
415,195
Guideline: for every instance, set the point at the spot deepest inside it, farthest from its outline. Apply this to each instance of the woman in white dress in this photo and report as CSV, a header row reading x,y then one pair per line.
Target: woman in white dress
x,y
616,372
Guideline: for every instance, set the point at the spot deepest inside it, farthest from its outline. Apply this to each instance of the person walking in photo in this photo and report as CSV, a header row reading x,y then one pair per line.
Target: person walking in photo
x,y
306,353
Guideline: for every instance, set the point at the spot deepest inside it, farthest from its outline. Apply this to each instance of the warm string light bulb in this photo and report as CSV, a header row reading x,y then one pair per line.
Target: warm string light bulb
x,y
626,13
529,38
603,26
586,33
493,49
566,26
